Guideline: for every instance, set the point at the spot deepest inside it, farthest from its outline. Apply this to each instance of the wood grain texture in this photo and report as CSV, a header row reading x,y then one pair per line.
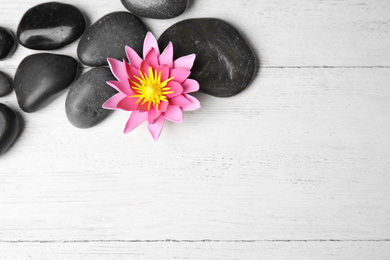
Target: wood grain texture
x,y
278,250
295,167
297,161
282,33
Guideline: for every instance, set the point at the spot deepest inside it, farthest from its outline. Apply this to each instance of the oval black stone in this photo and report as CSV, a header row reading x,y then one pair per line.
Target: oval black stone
x,y
5,84
50,26
108,36
157,9
224,64
7,43
41,77
9,127
87,95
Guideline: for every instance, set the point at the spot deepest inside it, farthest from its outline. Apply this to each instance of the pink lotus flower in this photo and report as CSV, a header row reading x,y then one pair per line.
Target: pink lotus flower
x,y
153,89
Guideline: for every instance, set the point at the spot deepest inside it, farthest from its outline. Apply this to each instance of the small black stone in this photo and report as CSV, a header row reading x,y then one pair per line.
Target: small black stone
x,y
87,95
7,43
157,9
9,127
50,26
41,77
5,84
224,64
108,36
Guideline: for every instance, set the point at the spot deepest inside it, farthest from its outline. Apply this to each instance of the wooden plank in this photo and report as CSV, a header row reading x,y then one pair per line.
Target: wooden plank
x,y
282,33
344,250
301,154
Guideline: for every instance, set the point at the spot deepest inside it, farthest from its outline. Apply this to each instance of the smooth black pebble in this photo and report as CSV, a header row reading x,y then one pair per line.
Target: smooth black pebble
x,y
157,9
108,36
224,65
9,127
41,77
50,26
87,95
5,84
7,43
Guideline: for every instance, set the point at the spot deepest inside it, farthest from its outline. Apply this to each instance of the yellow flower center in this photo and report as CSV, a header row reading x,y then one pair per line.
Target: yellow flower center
x,y
151,89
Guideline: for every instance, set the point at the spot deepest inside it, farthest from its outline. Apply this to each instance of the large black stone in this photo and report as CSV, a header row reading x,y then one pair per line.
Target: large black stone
x,y
157,9
87,95
50,26
108,36
5,84
7,43
9,127
41,77
224,64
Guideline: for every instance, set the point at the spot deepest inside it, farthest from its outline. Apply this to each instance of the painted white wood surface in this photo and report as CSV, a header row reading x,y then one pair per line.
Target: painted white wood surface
x,y
324,250
295,167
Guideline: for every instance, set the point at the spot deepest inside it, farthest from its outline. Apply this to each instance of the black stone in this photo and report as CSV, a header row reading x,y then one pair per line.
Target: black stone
x,y
9,127
157,9
50,26
108,36
7,43
225,63
5,84
41,77
87,95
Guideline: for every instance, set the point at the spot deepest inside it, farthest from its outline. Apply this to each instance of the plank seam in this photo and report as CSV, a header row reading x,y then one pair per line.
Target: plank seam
x,y
284,67
192,241
326,67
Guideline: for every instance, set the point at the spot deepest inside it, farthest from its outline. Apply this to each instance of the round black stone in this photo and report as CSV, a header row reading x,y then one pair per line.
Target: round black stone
x,y
50,26
7,43
9,127
225,63
157,9
108,36
5,84
41,77
87,95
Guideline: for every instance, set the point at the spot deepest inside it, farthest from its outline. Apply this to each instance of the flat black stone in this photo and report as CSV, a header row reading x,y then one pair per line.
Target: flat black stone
x,y
225,63
7,43
41,77
87,95
9,127
50,26
157,9
5,84
108,36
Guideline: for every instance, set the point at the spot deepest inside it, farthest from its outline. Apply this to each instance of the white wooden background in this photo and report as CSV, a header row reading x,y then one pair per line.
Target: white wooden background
x,y
295,167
